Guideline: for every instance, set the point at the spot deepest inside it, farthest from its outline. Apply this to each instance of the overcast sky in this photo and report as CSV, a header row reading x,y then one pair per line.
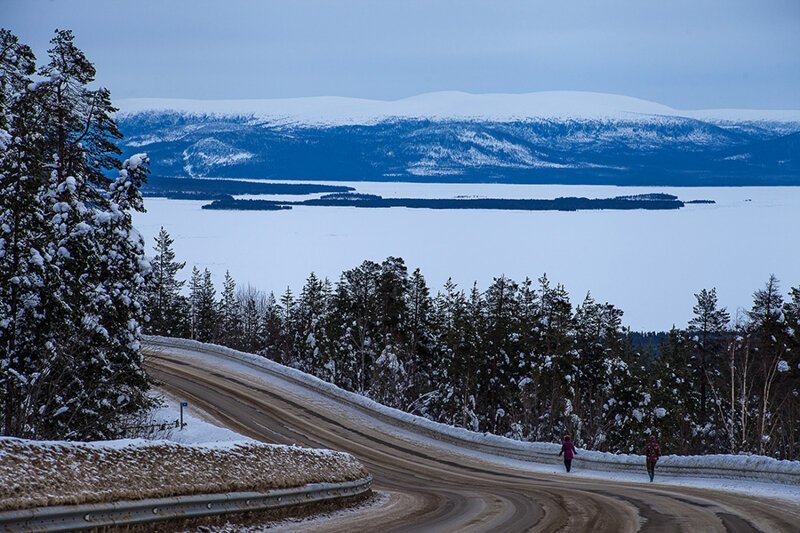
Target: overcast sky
x,y
686,54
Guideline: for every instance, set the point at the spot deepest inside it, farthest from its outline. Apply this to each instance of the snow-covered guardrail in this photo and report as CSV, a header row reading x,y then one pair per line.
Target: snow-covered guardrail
x,y
736,467
127,513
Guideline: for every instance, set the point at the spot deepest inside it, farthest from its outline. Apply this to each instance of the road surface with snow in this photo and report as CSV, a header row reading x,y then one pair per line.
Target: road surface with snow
x,y
438,486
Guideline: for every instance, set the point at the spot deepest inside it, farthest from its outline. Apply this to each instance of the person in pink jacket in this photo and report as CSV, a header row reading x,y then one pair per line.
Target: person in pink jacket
x,y
652,451
568,449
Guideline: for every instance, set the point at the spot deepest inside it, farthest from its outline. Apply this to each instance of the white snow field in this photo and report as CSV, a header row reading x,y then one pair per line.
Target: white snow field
x,y
335,110
648,263
749,474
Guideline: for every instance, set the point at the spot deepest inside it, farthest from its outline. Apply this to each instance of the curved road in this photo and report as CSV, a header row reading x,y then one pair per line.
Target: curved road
x,y
436,488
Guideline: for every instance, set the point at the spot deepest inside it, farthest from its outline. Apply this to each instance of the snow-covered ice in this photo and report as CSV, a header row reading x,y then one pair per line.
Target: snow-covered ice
x,y
648,263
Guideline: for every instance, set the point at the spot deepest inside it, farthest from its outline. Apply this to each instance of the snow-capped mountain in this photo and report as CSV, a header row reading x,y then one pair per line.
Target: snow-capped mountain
x,y
538,137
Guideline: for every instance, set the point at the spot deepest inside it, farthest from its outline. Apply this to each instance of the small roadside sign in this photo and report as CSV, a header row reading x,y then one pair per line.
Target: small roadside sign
x,y
183,404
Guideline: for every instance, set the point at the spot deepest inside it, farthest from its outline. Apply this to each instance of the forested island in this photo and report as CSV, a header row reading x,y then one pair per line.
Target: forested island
x,y
653,201
222,189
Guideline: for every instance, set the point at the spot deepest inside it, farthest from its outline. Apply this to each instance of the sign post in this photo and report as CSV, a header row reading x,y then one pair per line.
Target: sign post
x,y
183,404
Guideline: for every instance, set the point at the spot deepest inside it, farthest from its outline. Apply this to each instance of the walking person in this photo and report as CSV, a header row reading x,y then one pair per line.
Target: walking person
x,y
652,451
568,449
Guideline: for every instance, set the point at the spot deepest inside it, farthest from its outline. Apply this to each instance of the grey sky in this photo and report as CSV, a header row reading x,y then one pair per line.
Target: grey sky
x,y
686,54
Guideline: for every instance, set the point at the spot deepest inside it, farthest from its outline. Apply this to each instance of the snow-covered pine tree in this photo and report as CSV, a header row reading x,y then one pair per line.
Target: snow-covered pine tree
x,y
474,327
597,359
22,234
419,337
83,349
310,320
674,389
529,381
202,305
165,306
207,315
789,434
501,359
288,315
391,294
767,335
250,305
227,330
358,305
271,329
392,337
453,367
555,358
389,381
707,327
195,295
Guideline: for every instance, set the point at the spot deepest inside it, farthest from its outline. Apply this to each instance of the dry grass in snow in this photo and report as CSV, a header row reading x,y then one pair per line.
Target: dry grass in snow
x,y
37,473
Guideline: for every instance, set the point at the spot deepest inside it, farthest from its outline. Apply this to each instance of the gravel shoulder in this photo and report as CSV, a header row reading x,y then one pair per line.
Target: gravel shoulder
x,y
44,473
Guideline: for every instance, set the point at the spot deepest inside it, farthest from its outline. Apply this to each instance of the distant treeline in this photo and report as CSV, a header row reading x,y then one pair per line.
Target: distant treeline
x,y
647,201
223,189
518,358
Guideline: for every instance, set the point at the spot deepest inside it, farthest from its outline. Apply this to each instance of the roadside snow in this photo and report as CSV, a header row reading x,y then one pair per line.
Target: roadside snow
x,y
45,473
197,429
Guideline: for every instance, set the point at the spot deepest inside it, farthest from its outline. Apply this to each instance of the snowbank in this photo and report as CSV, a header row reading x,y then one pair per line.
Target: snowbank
x,y
44,473
196,429
733,467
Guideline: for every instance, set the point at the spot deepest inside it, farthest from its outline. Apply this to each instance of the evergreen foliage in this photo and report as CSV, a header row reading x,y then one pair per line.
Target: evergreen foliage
x,y
72,266
519,360
167,308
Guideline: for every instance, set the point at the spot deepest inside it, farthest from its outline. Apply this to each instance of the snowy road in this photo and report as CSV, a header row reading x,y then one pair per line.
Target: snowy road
x,y
436,487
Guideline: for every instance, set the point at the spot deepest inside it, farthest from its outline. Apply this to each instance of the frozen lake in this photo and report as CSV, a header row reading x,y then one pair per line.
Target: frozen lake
x,y
648,263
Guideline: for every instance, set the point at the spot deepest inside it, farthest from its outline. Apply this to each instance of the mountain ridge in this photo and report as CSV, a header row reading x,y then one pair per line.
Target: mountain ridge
x,y
602,141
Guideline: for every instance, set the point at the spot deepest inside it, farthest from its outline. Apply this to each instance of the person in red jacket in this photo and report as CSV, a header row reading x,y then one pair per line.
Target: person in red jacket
x,y
652,451
568,449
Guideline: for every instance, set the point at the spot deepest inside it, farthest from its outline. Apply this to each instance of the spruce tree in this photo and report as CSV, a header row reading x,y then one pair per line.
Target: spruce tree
x,y
767,331
207,315
707,326
195,295
271,329
79,265
202,305
311,316
419,336
23,234
249,325
228,329
453,369
502,356
360,305
289,328
166,307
